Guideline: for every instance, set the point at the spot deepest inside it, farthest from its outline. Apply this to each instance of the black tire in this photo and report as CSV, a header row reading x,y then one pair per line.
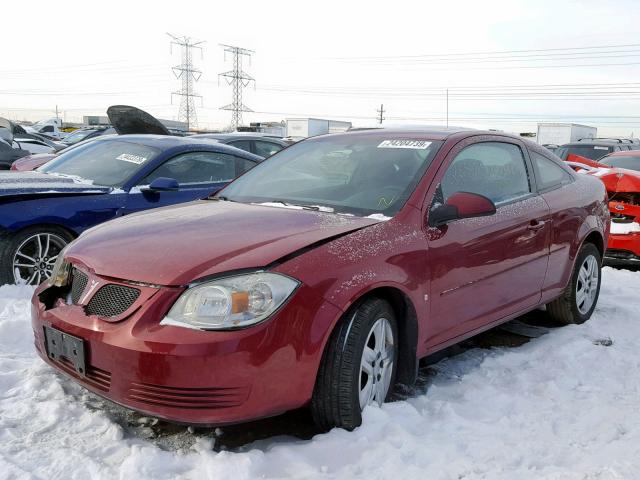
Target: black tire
x,y
565,309
336,401
9,243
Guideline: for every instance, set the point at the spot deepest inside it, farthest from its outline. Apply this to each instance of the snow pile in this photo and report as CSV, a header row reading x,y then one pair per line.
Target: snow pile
x,y
566,405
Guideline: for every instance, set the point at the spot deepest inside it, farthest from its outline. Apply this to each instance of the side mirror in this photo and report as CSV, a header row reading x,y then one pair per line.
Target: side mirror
x,y
461,205
163,184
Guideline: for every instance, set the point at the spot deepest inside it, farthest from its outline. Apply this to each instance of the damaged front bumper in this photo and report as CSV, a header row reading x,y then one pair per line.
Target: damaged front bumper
x,y
624,239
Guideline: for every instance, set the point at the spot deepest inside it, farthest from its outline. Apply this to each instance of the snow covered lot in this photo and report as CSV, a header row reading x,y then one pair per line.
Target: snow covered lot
x,y
563,406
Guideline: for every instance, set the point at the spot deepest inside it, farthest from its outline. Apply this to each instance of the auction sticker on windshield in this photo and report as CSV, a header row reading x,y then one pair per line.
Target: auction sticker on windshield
x,y
414,144
129,157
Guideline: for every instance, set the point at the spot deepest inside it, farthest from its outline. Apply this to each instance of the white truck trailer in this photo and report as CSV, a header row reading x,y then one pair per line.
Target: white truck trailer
x,y
309,127
561,133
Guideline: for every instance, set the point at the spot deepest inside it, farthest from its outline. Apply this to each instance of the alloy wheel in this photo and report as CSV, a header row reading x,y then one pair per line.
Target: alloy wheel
x,y
376,365
35,257
587,284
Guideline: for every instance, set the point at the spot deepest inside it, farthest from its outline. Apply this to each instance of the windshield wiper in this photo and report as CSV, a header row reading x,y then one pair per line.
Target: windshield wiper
x,y
315,208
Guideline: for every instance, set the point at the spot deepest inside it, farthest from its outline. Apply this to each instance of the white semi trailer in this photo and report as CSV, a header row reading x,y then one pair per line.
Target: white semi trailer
x,y
561,133
299,128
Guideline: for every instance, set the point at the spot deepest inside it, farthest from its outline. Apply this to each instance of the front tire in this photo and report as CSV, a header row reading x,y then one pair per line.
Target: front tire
x,y
577,303
358,367
29,255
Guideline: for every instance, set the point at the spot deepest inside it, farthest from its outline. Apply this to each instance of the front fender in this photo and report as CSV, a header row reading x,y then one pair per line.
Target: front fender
x,y
74,213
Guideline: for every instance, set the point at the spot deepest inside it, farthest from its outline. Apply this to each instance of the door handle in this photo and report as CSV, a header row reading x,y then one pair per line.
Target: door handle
x,y
536,225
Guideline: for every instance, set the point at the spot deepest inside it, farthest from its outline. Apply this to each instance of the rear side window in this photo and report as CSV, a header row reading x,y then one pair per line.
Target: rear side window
x,y
196,167
266,149
494,169
241,144
549,174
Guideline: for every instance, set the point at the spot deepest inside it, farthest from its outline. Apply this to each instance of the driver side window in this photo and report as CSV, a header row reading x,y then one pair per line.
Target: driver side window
x,y
196,167
494,169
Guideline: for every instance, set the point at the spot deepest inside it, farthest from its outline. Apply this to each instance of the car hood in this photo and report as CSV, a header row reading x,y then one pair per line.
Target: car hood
x,y
131,120
177,245
36,183
619,180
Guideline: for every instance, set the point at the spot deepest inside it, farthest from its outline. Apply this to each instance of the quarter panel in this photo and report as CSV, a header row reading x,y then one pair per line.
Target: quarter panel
x,y
577,210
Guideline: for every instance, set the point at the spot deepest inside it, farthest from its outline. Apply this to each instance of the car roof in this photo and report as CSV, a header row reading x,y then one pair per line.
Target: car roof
x,y
239,135
426,132
164,142
625,153
592,142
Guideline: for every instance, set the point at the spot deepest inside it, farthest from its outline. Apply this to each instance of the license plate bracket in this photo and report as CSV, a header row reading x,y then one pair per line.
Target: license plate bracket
x,y
62,345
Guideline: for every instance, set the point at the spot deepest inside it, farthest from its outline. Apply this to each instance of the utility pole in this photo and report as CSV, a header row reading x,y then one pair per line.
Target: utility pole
x,y
238,80
380,113
57,117
189,75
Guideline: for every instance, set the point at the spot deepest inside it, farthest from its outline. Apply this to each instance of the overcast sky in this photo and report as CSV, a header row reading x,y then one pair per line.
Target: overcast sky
x,y
507,64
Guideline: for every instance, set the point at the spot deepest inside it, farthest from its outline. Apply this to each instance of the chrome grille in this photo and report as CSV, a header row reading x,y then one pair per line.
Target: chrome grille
x,y
112,300
79,282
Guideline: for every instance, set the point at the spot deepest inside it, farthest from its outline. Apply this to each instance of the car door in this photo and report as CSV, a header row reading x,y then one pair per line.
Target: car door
x,y
484,269
558,188
199,174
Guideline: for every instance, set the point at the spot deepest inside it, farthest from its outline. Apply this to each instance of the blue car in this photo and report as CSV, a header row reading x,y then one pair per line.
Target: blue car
x,y
42,211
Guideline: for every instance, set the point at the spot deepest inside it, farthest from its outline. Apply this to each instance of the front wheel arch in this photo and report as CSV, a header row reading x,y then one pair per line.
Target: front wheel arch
x,y
8,240
407,323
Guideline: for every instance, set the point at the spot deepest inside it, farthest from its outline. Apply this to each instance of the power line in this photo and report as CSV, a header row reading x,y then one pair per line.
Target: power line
x,y
428,55
238,80
466,87
189,75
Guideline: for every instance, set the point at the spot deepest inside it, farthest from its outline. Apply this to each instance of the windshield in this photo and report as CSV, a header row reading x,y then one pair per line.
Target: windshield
x,y
359,175
630,163
77,136
592,152
110,163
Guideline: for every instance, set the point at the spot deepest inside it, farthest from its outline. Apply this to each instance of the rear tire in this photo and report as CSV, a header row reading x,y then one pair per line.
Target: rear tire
x,y
22,248
358,366
577,303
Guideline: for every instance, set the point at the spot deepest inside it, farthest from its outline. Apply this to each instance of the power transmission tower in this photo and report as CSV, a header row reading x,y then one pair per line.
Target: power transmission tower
x,y
189,75
238,80
380,114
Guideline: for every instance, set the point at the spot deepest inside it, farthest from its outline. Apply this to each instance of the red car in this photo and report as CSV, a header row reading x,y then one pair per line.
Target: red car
x,y
323,275
620,172
31,162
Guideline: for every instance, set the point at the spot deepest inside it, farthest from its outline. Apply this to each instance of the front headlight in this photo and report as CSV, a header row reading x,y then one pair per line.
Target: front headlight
x,y
231,302
61,269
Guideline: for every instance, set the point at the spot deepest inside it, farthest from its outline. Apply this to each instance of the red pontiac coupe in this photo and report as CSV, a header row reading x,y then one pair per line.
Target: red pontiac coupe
x,y
323,275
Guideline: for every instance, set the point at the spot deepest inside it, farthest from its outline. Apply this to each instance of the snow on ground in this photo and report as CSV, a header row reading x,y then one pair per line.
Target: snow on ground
x,y
563,406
